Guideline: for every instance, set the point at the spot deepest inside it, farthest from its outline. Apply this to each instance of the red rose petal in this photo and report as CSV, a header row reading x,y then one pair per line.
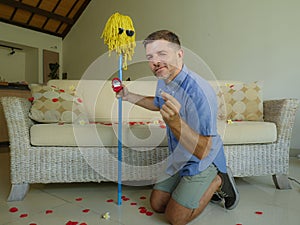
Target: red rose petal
x,y
258,212
23,215
149,213
126,199
79,100
83,224
61,90
133,203
142,207
143,211
33,224
49,211
71,223
78,199
143,197
239,224
13,209
85,210
110,200
31,99
54,99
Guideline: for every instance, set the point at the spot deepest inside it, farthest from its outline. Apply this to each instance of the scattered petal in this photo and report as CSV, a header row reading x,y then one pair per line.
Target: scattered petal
x,y
78,199
126,199
83,223
55,100
31,99
133,203
86,210
149,213
79,100
110,200
32,224
143,197
143,211
258,212
49,211
71,222
106,216
23,215
13,209
142,207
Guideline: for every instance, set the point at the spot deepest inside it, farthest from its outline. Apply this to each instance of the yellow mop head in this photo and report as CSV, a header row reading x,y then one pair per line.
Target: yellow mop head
x,y
119,36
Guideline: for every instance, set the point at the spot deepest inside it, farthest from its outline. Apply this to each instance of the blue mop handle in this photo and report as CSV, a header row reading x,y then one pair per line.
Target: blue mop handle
x,y
120,138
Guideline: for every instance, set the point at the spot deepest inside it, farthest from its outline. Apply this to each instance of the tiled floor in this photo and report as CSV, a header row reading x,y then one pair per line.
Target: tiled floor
x,y
55,204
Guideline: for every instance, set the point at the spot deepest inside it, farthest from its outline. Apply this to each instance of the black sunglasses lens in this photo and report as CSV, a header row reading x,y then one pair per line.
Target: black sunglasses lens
x,y
130,33
121,30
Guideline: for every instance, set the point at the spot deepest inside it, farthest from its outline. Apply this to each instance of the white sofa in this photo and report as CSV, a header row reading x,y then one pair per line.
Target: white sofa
x,y
86,149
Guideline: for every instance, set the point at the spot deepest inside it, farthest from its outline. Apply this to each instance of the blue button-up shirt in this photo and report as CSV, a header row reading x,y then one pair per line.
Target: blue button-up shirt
x,y
199,110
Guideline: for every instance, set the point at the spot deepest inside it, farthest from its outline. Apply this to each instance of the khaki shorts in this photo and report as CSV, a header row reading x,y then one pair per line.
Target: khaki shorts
x,y
188,190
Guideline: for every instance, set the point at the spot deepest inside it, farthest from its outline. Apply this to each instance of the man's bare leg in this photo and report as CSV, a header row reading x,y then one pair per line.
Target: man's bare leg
x,y
177,214
159,200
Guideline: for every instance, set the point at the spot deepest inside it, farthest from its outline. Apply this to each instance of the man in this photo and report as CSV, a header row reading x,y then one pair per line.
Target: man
x,y
188,105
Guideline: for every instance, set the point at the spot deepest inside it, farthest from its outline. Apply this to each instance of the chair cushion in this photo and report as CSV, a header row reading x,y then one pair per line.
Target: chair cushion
x,y
142,134
248,132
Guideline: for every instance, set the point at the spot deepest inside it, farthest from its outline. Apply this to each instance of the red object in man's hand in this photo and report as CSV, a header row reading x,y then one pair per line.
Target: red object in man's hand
x,y
116,84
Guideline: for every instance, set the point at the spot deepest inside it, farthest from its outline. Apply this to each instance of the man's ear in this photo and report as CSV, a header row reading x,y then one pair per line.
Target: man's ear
x,y
180,53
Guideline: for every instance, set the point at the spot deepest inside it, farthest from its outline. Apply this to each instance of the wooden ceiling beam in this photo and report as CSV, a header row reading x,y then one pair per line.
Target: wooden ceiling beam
x,y
36,10
24,25
76,16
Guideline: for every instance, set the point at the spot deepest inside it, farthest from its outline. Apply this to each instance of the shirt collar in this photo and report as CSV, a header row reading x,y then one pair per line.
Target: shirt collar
x,y
178,80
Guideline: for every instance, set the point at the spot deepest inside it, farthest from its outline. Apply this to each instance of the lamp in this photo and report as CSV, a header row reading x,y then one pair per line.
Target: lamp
x,y
12,51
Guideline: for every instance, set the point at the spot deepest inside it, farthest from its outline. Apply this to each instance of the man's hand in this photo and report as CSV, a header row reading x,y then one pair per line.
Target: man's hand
x,y
170,110
196,144
123,93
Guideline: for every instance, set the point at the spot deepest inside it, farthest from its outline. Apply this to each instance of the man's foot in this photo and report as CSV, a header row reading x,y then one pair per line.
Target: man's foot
x,y
228,190
216,198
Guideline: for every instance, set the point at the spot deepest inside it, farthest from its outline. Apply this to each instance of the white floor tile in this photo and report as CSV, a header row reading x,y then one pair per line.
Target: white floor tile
x,y
86,203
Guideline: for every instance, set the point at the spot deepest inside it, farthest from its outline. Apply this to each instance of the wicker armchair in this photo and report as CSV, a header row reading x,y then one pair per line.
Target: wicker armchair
x,y
59,164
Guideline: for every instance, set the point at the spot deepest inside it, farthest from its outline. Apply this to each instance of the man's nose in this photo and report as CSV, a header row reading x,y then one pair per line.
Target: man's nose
x,y
156,61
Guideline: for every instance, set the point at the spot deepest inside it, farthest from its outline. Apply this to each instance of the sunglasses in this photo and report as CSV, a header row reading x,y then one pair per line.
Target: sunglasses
x,y
129,33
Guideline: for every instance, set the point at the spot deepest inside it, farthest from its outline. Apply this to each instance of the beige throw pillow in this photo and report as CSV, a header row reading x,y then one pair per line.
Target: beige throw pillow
x,y
51,104
241,101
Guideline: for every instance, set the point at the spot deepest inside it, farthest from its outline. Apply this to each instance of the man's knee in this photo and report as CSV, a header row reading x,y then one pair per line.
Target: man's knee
x,y
159,200
177,214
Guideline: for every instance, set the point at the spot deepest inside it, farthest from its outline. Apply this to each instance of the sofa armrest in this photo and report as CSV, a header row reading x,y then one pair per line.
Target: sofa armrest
x,y
16,111
282,112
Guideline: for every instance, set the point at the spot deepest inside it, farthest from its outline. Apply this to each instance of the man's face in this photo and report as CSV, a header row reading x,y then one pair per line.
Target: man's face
x,y
165,59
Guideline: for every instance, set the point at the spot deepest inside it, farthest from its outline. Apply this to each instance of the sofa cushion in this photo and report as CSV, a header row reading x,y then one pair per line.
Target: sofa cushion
x,y
142,134
135,134
247,132
100,103
241,101
52,104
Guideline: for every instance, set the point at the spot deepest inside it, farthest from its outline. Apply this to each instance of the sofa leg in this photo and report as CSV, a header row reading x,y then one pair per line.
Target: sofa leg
x,y
281,181
18,192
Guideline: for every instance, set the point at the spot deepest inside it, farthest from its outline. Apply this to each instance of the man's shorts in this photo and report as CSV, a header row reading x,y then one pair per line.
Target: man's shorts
x,y
188,190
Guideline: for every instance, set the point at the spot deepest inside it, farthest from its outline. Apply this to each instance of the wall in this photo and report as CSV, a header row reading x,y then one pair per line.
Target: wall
x,y
12,67
33,44
246,40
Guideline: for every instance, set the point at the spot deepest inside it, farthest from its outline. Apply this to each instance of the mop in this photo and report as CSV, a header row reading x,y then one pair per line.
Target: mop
x,y
119,36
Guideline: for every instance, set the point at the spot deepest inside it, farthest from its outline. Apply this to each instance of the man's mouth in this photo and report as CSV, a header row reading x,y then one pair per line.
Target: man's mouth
x,y
156,70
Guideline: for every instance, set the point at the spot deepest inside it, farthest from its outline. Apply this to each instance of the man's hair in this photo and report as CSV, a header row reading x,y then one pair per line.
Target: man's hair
x,y
162,35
